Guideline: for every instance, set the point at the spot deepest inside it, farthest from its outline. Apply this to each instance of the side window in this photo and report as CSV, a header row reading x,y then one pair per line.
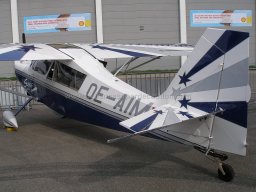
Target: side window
x,y
79,79
41,67
66,75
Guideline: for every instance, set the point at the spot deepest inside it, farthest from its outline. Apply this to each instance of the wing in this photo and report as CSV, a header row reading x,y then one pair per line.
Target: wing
x,y
114,51
18,52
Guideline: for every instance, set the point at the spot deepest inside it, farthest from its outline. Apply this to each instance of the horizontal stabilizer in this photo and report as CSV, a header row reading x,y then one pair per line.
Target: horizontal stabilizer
x,y
159,118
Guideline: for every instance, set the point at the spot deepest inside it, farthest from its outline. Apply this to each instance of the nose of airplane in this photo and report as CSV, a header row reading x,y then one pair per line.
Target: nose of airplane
x,y
9,119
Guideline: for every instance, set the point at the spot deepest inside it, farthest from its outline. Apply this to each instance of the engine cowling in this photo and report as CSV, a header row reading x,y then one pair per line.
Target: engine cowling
x,y
9,120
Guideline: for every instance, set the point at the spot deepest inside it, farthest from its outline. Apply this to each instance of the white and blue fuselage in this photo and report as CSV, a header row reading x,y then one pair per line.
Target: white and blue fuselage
x,y
101,99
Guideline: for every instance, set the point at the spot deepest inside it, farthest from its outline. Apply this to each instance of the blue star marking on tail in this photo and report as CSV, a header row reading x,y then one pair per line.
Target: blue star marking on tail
x,y
184,102
184,79
183,113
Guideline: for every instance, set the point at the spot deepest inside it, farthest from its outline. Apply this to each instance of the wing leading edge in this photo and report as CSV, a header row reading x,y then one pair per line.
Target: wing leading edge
x,y
19,52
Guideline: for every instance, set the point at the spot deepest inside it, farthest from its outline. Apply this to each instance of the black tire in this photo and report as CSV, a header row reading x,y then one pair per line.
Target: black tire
x,y
229,173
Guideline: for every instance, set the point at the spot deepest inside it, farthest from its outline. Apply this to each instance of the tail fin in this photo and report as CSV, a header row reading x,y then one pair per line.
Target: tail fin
x,y
215,77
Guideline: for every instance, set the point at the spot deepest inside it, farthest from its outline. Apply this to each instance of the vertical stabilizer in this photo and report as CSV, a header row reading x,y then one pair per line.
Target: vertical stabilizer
x,y
215,78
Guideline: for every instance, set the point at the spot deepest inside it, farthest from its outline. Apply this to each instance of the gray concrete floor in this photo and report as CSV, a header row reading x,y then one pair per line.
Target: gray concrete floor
x,y
49,153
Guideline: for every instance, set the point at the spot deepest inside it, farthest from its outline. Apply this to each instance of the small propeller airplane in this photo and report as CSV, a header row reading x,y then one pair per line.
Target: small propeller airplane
x,y
205,106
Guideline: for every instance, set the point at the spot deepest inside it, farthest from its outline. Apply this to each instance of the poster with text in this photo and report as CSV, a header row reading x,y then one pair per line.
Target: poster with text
x,y
57,23
220,18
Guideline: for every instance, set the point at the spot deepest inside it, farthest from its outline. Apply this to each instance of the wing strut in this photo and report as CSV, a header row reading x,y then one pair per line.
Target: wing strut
x,y
127,63
130,61
146,62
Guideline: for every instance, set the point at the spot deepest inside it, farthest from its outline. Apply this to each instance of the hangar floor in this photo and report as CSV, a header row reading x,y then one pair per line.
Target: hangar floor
x,y
49,153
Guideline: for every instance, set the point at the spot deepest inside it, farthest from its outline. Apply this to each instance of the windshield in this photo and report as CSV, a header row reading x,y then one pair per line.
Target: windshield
x,y
66,75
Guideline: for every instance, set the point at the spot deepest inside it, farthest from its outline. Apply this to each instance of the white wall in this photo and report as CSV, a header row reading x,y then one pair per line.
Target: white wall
x,y
6,68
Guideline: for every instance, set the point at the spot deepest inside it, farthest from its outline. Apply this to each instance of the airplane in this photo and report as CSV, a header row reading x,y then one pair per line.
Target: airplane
x,y
205,105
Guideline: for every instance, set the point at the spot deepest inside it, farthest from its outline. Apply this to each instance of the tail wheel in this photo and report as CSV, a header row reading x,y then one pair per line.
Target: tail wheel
x,y
226,172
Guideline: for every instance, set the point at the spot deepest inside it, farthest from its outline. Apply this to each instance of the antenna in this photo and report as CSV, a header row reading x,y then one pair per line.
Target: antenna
x,y
23,38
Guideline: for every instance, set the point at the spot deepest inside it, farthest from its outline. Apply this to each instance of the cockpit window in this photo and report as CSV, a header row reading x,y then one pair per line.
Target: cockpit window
x,y
66,75
41,67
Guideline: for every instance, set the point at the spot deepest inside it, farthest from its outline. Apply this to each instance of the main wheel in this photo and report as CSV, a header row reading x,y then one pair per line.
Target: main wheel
x,y
229,173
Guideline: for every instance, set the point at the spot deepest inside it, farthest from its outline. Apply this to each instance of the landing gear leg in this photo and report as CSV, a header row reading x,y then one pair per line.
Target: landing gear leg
x,y
225,171
23,106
